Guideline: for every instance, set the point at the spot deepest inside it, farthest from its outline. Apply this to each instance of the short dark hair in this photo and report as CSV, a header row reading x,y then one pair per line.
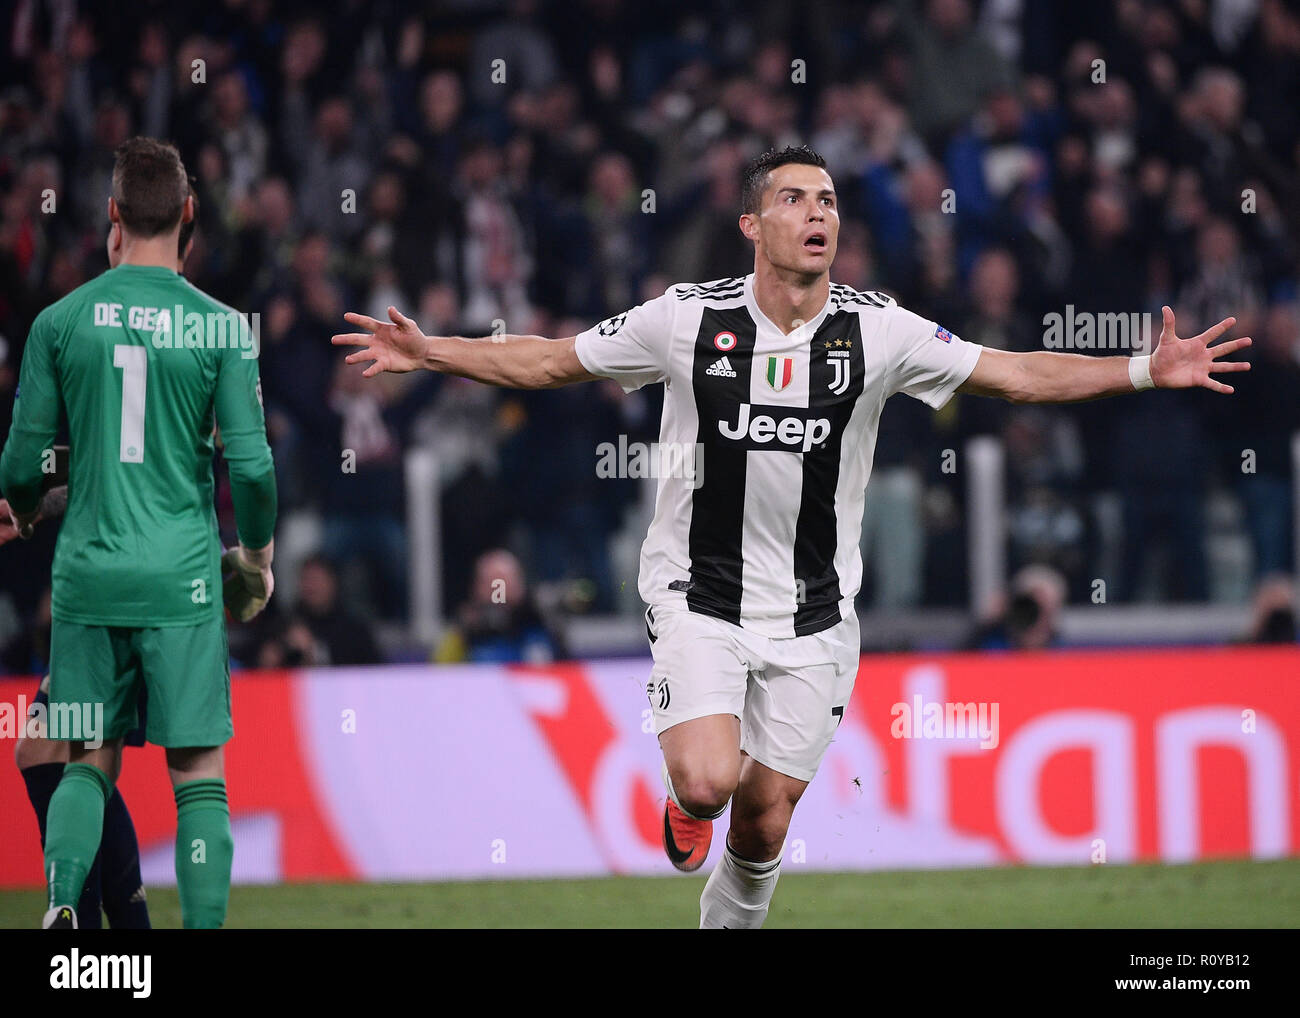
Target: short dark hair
x,y
187,229
754,180
150,186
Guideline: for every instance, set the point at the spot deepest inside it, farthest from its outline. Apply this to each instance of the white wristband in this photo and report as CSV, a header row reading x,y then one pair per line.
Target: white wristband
x,y
1139,372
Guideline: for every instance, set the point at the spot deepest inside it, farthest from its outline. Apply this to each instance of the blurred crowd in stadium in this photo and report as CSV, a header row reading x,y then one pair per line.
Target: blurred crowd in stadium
x,y
995,163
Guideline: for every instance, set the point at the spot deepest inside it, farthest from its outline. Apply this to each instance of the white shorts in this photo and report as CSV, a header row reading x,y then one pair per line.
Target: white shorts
x,y
789,694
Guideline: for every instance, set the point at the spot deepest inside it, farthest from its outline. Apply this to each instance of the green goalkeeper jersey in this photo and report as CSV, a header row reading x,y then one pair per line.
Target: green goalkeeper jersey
x,y
142,364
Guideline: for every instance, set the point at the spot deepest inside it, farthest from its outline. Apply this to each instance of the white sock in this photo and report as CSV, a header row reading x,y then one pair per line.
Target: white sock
x,y
738,893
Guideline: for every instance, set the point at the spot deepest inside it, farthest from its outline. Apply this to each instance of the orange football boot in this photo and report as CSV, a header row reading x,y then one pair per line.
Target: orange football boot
x,y
686,840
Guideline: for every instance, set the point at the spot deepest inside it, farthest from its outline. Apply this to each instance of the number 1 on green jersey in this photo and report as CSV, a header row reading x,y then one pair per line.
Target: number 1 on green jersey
x,y
134,362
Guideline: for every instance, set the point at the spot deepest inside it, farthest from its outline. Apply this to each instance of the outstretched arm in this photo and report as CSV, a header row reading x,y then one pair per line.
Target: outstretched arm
x,y
1049,377
517,362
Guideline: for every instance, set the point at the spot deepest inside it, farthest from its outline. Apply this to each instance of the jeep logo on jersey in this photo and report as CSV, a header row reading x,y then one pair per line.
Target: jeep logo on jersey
x,y
725,341
771,427
779,372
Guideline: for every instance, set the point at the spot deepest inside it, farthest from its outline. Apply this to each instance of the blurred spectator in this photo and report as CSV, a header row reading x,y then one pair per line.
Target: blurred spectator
x,y
1224,280
953,66
995,319
333,167
1161,463
549,463
365,504
239,133
319,631
1273,612
999,173
708,244
497,261
1031,619
463,427
619,231
266,241
1263,422
526,55
440,134
500,622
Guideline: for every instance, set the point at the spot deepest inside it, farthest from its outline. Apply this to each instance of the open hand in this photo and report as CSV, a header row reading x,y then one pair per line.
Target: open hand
x,y
396,347
1189,363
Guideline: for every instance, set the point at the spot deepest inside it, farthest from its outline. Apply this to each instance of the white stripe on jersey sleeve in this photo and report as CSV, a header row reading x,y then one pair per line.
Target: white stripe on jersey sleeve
x,y
631,348
924,364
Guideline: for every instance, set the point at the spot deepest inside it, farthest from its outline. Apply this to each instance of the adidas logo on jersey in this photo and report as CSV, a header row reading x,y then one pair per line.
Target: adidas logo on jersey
x,y
721,368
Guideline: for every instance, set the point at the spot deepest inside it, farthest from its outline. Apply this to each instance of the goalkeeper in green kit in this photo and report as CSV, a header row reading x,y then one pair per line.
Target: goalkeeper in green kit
x,y
142,366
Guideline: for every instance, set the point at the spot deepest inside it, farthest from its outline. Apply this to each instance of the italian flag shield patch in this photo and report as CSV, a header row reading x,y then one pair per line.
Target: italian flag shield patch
x,y
779,372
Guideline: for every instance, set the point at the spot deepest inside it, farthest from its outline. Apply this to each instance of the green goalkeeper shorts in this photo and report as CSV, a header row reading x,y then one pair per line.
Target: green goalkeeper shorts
x,y
185,671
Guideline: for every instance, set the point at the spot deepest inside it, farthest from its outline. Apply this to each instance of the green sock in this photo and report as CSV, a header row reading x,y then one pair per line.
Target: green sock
x,y
74,826
204,851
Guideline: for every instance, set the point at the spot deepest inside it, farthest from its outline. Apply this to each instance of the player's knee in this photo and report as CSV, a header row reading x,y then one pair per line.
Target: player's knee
x,y
195,763
759,824
769,831
107,757
706,790
34,752
759,836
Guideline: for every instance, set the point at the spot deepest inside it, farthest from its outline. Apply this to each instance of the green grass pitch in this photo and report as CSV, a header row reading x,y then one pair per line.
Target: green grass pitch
x,y
1215,894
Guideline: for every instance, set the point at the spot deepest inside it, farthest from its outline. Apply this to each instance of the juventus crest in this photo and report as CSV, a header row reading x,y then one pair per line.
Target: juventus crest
x,y
841,370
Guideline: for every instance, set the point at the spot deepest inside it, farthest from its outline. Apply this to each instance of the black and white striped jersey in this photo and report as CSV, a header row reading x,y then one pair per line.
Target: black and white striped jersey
x,y
774,436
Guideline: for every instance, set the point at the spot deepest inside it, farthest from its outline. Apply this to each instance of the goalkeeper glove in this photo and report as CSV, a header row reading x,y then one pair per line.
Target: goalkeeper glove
x,y
23,523
249,584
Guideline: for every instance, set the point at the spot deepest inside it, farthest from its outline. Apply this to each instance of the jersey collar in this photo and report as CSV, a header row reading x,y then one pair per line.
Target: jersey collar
x,y
805,331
